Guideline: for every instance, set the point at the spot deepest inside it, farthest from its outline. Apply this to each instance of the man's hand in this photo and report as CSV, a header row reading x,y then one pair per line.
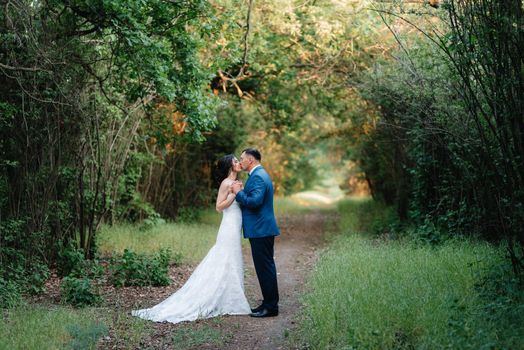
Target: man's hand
x,y
237,187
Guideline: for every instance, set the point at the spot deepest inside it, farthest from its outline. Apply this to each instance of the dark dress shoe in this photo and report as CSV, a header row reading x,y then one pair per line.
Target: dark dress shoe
x,y
265,313
257,309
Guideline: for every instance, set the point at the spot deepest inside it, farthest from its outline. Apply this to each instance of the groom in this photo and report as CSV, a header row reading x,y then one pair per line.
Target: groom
x,y
260,226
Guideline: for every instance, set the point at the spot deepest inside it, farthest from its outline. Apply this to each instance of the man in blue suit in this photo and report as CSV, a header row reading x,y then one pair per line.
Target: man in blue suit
x,y
260,226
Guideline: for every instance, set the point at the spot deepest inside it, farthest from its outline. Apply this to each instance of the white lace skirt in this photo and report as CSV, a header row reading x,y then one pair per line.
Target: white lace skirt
x,y
216,287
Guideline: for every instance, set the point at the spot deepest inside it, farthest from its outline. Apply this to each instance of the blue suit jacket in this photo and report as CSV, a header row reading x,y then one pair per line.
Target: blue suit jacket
x,y
256,201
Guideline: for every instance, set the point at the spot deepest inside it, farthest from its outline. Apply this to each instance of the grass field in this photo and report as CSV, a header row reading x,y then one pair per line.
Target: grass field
x,y
52,327
371,293
61,327
192,241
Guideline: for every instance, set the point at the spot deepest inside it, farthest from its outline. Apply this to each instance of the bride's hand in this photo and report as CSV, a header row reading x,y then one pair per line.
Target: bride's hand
x,y
231,185
237,186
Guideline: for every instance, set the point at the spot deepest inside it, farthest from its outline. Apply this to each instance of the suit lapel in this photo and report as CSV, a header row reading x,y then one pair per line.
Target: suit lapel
x,y
253,173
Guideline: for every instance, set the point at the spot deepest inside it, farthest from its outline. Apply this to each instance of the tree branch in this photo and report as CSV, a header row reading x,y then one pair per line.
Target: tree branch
x,y
25,69
245,39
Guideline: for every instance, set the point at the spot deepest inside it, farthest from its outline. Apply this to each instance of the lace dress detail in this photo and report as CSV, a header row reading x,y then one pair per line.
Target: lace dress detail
x,y
216,287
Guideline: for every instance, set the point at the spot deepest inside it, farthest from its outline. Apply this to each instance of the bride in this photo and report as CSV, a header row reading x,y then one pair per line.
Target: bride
x,y
216,287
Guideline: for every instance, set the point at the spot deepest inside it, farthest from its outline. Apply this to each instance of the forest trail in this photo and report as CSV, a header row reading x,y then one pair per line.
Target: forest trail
x,y
295,255
296,251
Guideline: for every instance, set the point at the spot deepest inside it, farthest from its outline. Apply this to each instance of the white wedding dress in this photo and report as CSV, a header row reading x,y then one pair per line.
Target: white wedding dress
x,y
216,287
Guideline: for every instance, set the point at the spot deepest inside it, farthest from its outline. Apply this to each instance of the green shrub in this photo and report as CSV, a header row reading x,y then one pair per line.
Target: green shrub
x,y
188,215
428,232
36,276
441,149
151,221
78,287
72,263
132,269
21,275
15,277
70,259
497,322
79,291
10,294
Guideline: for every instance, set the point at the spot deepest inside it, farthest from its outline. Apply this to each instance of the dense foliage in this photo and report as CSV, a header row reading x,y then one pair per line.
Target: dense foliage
x,y
132,269
78,80
446,143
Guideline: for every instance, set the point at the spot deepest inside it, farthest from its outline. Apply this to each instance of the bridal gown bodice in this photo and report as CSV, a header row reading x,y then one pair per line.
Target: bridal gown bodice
x,y
216,287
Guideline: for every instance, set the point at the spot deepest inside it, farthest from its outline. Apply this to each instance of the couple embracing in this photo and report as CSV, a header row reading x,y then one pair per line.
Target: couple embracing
x,y
216,287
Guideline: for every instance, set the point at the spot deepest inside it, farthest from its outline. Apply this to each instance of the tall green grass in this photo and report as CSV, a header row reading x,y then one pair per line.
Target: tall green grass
x,y
39,327
192,241
191,337
371,293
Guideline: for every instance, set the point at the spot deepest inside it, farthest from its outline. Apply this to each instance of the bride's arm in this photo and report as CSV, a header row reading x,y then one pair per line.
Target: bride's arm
x,y
225,197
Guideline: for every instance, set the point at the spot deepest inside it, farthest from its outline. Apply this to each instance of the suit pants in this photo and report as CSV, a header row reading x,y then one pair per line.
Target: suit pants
x,y
262,251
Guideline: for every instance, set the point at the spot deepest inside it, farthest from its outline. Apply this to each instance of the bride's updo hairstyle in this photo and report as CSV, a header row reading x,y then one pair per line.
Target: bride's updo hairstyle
x,y
224,167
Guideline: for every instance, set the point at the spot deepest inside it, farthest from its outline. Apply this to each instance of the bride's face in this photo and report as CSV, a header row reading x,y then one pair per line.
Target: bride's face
x,y
236,166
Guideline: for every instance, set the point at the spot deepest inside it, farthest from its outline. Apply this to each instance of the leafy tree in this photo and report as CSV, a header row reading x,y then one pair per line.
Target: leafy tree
x,y
446,146
78,79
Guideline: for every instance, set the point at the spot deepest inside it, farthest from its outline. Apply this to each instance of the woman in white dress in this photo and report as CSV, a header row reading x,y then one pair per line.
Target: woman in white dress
x,y
216,287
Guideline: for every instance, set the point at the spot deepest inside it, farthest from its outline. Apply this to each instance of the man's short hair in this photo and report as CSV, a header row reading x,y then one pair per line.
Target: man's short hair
x,y
253,152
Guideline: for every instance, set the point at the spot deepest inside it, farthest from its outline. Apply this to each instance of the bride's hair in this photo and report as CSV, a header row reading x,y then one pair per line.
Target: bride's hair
x,y
224,166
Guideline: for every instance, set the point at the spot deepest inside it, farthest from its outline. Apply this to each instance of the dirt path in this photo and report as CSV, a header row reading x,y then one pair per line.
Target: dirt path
x,y
295,254
296,250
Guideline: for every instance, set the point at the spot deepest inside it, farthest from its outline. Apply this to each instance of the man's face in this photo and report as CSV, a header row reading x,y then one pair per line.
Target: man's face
x,y
246,160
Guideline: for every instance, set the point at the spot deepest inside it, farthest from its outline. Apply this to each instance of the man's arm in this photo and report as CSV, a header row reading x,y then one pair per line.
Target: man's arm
x,y
255,196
